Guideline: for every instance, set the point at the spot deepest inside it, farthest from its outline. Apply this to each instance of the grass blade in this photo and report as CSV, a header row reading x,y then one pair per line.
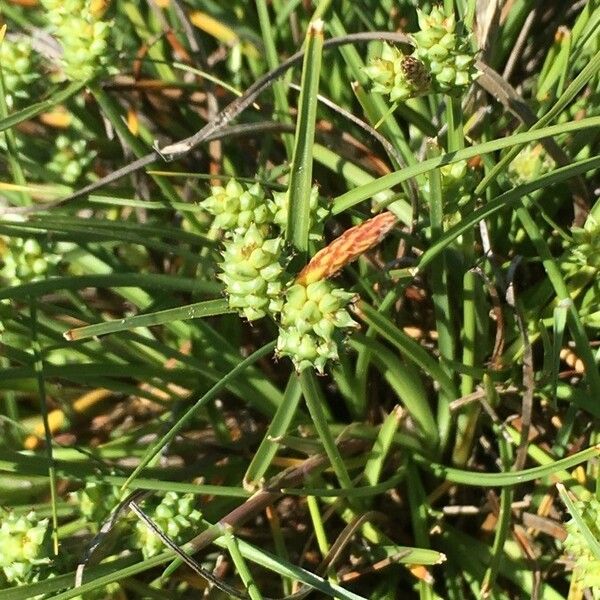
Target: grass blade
x,y
199,310
507,478
301,172
214,390
364,192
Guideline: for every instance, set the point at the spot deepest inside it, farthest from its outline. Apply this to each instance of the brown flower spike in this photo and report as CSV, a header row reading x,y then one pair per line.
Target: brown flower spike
x,y
347,248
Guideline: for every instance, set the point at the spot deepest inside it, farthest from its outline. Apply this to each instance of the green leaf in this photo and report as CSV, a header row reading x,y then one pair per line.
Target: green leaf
x,y
302,164
182,421
364,192
198,310
35,109
507,478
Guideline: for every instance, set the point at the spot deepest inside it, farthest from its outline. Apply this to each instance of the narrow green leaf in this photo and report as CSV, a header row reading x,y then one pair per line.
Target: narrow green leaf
x,y
278,427
405,382
382,445
279,92
150,281
589,71
315,402
302,164
81,471
214,390
593,543
40,107
409,348
198,310
364,192
558,326
507,478
502,201
231,543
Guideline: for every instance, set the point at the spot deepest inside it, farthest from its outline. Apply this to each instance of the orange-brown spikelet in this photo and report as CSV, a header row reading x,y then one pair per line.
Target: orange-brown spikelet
x,y
347,248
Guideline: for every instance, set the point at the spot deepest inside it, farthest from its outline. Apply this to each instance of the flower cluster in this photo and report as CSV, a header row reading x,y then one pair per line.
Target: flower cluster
x,y
24,546
310,317
175,515
586,244
442,61
83,35
235,207
252,273
20,67
251,267
24,260
398,75
96,500
529,164
447,55
71,158
587,565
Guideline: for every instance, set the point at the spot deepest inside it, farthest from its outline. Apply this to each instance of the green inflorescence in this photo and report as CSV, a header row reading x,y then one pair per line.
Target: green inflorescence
x,y
24,260
83,35
71,158
311,318
20,68
585,251
398,75
442,61
252,273
96,500
236,207
24,546
529,164
587,564
175,515
446,54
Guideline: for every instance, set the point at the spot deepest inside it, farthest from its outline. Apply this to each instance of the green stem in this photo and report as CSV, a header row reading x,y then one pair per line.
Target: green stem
x,y
39,371
503,526
239,561
281,102
315,403
467,420
440,296
298,226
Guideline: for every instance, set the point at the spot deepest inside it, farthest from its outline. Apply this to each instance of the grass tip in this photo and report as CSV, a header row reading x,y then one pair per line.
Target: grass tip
x,y
316,27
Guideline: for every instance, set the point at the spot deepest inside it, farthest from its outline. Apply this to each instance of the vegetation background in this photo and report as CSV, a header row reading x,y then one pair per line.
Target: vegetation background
x,y
450,451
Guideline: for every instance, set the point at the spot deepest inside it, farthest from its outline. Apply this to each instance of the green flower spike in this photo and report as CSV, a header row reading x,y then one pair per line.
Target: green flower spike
x,y
530,163
252,273
397,75
70,159
586,251
24,546
175,515
20,68
96,500
84,37
587,565
236,207
311,319
446,56
24,260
